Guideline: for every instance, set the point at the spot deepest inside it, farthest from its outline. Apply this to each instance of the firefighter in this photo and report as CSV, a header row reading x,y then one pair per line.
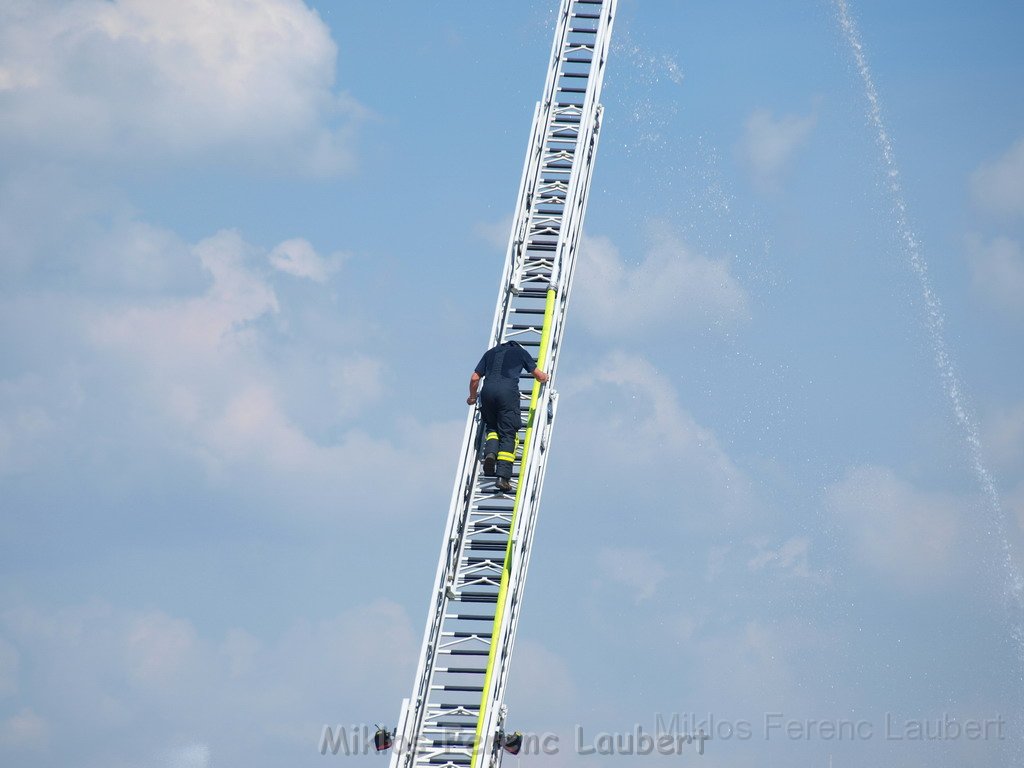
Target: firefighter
x,y
499,405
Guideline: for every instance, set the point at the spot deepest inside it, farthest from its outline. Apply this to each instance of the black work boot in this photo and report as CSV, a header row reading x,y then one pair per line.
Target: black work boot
x,y
503,484
489,461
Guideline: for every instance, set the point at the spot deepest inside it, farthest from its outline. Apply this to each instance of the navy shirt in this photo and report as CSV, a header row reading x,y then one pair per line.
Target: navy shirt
x,y
516,359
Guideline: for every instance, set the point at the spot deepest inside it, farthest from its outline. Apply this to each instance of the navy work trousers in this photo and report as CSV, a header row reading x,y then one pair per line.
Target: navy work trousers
x,y
499,406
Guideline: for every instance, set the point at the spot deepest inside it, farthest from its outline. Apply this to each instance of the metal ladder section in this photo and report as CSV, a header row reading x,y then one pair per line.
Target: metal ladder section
x,y
455,716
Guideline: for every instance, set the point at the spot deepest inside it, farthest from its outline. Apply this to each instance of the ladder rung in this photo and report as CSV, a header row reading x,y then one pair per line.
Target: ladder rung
x,y
470,616
476,597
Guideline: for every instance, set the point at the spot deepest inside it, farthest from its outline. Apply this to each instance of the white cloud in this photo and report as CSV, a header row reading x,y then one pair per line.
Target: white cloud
x,y
628,428
202,360
297,257
768,145
671,287
26,729
998,185
753,666
634,568
203,364
158,648
357,382
898,531
495,232
791,557
147,79
997,273
50,224
151,688
188,340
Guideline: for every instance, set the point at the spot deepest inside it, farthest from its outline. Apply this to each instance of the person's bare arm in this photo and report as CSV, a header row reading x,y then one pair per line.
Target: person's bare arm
x,y
474,385
539,375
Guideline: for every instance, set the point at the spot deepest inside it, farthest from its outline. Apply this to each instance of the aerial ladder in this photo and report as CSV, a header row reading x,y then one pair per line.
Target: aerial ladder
x,y
455,717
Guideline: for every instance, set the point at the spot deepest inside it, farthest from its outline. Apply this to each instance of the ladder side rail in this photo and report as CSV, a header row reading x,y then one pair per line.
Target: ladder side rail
x,y
535,479
578,195
533,466
532,471
517,235
491,699
531,175
541,148
574,237
401,729
406,741
548,112
524,559
580,178
537,150
504,634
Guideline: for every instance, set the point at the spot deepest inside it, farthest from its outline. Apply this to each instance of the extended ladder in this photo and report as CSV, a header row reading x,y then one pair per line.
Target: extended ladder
x,y
455,716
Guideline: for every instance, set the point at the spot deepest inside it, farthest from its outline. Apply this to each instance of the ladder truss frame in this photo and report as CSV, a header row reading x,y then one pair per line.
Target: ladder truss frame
x,y
536,281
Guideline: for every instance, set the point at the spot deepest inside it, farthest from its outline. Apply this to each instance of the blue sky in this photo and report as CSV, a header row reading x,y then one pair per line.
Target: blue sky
x,y
248,258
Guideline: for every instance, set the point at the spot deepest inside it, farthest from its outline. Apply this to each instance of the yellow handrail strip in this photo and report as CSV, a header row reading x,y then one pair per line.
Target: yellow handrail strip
x,y
503,588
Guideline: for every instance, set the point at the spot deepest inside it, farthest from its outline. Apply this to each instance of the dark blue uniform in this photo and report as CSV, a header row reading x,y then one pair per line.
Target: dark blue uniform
x,y
499,400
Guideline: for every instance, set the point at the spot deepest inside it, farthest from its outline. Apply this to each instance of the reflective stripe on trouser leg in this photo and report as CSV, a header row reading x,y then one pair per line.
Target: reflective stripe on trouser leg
x,y
506,458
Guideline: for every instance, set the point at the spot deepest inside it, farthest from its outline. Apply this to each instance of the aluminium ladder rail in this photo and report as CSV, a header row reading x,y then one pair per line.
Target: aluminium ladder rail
x,y
455,716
